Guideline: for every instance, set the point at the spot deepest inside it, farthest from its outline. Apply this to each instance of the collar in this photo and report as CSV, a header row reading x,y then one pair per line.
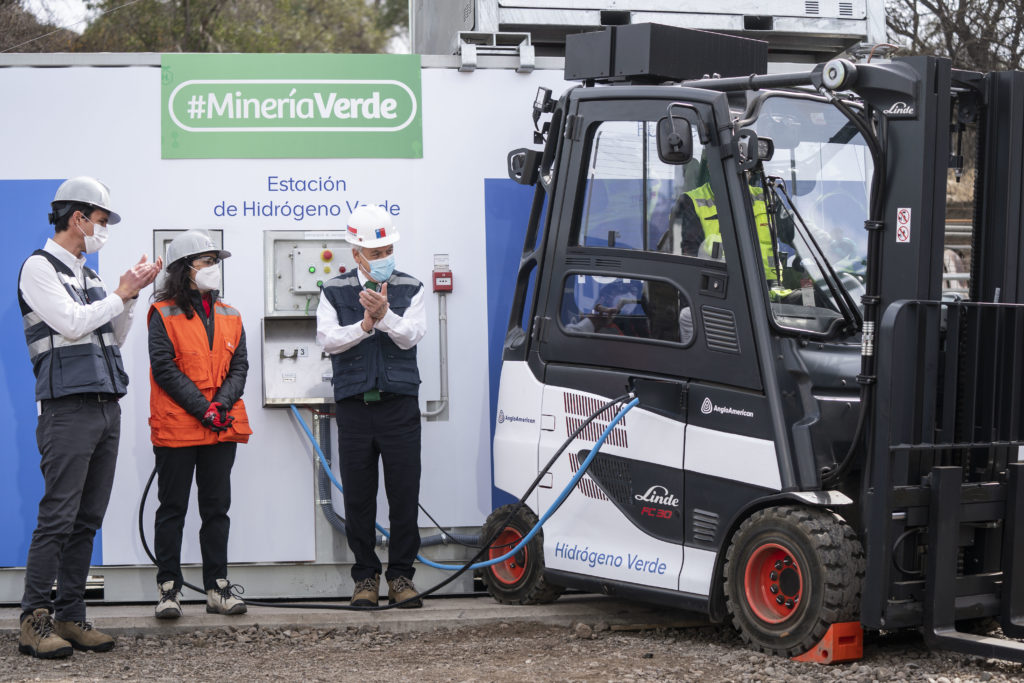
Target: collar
x,y
75,263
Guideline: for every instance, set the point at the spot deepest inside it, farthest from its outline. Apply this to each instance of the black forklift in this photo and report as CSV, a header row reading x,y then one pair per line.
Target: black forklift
x,y
823,442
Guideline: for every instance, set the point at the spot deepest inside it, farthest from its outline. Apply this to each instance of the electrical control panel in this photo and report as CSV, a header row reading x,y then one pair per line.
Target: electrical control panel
x,y
297,264
295,370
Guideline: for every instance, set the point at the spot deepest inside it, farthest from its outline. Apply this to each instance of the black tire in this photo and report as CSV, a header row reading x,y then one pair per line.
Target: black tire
x,y
519,580
808,558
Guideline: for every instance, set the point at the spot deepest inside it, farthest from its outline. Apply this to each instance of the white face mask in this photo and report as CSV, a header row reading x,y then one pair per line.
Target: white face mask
x,y
97,239
208,278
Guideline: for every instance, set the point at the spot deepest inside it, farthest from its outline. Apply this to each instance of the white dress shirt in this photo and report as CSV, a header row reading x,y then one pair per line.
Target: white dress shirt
x,y
44,293
405,330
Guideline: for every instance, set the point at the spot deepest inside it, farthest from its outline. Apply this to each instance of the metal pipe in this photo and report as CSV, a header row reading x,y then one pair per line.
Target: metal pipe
x,y
752,82
442,342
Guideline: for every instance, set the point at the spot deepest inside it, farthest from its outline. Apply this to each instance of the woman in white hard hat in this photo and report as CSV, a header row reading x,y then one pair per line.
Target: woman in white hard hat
x,y
197,418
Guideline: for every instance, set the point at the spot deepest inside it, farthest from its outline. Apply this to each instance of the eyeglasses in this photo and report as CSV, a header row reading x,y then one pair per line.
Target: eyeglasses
x,y
207,260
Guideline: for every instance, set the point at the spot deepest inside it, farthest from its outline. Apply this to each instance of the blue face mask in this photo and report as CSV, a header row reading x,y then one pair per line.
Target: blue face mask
x,y
381,269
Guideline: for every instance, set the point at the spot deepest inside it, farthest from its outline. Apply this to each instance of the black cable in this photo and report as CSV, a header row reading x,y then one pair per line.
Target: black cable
x,y
239,590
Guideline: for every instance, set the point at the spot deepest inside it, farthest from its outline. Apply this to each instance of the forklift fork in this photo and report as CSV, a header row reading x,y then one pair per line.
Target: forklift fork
x,y
939,626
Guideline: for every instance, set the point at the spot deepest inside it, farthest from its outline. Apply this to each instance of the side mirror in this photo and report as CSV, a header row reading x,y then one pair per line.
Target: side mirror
x,y
524,166
675,140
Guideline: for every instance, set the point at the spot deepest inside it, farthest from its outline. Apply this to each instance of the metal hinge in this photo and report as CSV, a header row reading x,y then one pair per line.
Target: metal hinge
x,y
475,43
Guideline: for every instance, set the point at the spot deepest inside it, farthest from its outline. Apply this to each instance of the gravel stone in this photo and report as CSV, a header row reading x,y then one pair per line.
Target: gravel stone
x,y
498,652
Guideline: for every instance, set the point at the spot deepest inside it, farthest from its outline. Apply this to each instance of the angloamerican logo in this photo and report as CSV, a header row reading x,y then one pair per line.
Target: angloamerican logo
x,y
502,418
707,407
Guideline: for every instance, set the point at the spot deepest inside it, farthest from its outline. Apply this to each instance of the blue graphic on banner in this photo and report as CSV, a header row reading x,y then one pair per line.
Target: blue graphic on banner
x,y
26,203
506,213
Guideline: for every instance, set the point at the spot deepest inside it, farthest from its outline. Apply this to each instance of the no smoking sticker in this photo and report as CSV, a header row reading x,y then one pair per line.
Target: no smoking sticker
x,y
903,225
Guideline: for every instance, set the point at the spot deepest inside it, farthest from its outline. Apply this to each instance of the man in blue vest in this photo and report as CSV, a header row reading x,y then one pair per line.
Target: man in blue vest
x,y
370,320
73,330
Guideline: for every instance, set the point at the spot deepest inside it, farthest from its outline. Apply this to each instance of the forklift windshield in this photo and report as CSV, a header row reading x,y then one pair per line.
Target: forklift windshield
x,y
818,183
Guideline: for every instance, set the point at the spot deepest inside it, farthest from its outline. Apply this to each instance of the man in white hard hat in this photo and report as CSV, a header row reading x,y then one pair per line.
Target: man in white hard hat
x,y
73,329
370,321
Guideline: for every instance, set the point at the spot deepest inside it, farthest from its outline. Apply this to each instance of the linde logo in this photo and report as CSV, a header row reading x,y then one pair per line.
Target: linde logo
x,y
899,109
707,407
292,105
659,495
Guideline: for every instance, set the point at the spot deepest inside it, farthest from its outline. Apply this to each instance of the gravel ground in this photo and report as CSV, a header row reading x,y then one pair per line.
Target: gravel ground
x,y
500,652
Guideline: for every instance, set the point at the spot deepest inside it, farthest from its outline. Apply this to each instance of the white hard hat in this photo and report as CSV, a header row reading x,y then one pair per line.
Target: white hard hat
x,y
85,190
192,243
371,226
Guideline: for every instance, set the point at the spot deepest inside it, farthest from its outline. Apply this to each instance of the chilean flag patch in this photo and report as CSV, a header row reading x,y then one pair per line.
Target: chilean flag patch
x,y
380,232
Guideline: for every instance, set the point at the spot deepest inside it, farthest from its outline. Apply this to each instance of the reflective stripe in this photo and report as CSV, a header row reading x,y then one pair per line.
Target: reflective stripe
x,y
706,203
30,319
400,281
169,310
224,309
43,345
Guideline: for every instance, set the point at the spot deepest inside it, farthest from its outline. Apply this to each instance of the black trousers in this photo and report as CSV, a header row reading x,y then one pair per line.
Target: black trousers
x,y
212,468
388,431
77,437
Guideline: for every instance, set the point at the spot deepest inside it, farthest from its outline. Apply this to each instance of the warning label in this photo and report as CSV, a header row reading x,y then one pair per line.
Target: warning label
x,y
903,226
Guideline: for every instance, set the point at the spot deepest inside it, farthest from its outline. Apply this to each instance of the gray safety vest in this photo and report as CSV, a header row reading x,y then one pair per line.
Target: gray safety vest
x,y
376,362
65,366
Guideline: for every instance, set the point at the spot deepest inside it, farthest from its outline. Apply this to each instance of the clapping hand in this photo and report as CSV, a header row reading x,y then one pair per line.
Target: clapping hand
x,y
137,277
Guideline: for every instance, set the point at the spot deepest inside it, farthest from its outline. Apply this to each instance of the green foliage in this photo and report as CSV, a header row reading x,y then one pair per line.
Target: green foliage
x,y
363,26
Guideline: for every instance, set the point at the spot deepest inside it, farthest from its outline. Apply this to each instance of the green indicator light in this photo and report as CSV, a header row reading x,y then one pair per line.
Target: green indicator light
x,y
312,269
319,283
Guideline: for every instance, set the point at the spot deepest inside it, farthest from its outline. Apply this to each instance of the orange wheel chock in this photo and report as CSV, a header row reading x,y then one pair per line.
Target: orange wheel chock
x,y
841,643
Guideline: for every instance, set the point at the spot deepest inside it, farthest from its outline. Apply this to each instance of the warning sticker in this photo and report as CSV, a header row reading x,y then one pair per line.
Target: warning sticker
x,y
903,226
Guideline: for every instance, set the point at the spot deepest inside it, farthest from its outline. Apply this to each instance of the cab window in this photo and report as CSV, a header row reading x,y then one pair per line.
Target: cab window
x,y
626,307
634,201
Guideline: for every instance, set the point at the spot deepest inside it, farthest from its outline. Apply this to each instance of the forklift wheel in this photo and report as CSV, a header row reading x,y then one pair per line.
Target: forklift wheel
x,y
519,580
790,573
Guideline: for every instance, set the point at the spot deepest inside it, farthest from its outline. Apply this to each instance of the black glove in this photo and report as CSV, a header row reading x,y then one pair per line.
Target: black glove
x,y
216,418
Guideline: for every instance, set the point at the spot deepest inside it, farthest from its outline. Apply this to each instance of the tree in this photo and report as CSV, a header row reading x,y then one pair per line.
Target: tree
x,y
980,35
244,26
21,31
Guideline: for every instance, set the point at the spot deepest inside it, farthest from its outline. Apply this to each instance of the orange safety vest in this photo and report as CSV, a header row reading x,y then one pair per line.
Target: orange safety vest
x,y
169,424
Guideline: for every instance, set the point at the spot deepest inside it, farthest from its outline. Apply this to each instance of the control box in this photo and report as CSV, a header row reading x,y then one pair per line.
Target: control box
x,y
295,370
297,264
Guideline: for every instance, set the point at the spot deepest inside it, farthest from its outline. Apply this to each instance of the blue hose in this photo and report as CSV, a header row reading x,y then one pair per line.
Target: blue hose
x,y
533,532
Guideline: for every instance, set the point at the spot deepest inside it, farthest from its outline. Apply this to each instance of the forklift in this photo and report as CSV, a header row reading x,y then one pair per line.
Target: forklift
x,y
823,444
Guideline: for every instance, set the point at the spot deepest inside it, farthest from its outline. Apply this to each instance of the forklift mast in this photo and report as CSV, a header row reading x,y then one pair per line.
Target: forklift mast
x,y
930,476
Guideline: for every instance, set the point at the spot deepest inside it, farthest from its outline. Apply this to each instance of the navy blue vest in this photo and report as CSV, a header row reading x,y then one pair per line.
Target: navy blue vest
x,y
65,366
376,362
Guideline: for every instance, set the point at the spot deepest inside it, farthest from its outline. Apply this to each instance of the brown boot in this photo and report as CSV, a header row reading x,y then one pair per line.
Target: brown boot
x,y
38,638
366,592
401,589
83,636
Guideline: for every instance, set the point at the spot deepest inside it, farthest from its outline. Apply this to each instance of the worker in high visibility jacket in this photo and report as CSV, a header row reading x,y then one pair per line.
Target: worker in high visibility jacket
x,y
197,417
707,243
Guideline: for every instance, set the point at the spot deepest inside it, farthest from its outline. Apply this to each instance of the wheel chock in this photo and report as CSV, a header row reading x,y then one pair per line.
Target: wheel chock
x,y
842,642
